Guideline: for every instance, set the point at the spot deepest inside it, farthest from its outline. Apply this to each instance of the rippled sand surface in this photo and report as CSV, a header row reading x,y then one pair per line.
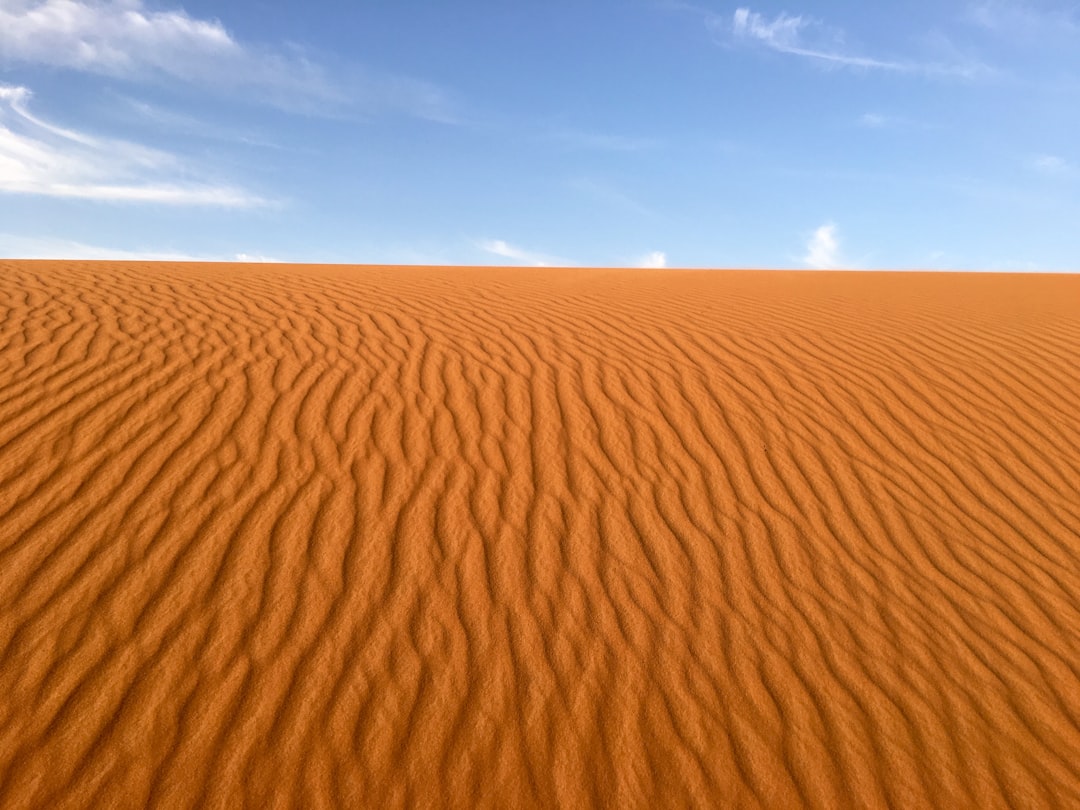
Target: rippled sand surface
x,y
318,537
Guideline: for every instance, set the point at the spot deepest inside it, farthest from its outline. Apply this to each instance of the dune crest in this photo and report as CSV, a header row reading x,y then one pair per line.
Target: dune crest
x,y
478,537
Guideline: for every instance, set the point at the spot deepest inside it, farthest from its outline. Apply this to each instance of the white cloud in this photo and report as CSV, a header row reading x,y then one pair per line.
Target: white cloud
x,y
40,158
114,37
654,260
124,39
823,249
504,250
254,258
788,34
783,33
24,247
873,120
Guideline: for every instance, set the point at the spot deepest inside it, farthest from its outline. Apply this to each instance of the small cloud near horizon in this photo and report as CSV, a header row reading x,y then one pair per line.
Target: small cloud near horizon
x,y
504,250
823,249
654,260
23,247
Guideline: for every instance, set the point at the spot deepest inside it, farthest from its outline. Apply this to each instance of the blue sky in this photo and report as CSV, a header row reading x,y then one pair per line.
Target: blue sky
x,y
768,134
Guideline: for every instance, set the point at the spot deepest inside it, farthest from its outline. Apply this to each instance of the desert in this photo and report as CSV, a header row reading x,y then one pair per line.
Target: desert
x,y
371,536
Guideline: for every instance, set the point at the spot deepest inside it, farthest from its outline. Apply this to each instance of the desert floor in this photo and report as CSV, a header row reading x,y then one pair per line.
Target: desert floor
x,y
416,537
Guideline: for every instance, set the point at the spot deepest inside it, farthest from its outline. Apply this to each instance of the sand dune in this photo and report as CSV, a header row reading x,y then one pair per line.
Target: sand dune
x,y
407,537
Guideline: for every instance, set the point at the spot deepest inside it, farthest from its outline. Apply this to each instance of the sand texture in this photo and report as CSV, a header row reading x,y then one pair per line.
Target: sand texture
x,y
322,537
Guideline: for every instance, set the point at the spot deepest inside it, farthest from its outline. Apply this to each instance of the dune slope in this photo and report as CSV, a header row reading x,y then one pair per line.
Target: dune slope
x,y
408,537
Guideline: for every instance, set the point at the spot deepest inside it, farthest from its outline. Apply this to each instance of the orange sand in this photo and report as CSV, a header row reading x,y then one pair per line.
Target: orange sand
x,y
397,537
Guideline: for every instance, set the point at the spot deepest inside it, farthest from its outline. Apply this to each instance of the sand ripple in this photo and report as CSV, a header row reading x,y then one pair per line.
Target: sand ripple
x,y
333,537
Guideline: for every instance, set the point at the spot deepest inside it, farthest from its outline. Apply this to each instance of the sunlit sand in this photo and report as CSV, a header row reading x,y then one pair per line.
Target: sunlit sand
x,y
486,537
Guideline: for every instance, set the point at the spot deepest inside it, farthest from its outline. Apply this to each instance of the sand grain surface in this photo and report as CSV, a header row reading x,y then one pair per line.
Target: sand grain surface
x,y
407,537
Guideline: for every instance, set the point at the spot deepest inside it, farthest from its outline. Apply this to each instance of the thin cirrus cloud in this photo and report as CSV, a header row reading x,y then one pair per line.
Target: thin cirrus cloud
x,y
504,250
796,35
123,39
120,38
28,247
655,259
43,159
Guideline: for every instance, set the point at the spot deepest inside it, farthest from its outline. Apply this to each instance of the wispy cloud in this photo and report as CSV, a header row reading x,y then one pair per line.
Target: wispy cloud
x,y
654,260
41,158
796,35
1053,166
27,247
504,250
124,39
254,258
823,249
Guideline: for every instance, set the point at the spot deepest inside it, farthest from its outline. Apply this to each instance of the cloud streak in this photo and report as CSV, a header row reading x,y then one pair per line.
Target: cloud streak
x,y
504,250
24,247
43,159
121,38
793,35
125,40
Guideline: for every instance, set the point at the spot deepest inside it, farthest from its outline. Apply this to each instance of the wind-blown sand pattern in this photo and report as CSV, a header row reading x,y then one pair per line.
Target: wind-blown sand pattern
x,y
405,537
